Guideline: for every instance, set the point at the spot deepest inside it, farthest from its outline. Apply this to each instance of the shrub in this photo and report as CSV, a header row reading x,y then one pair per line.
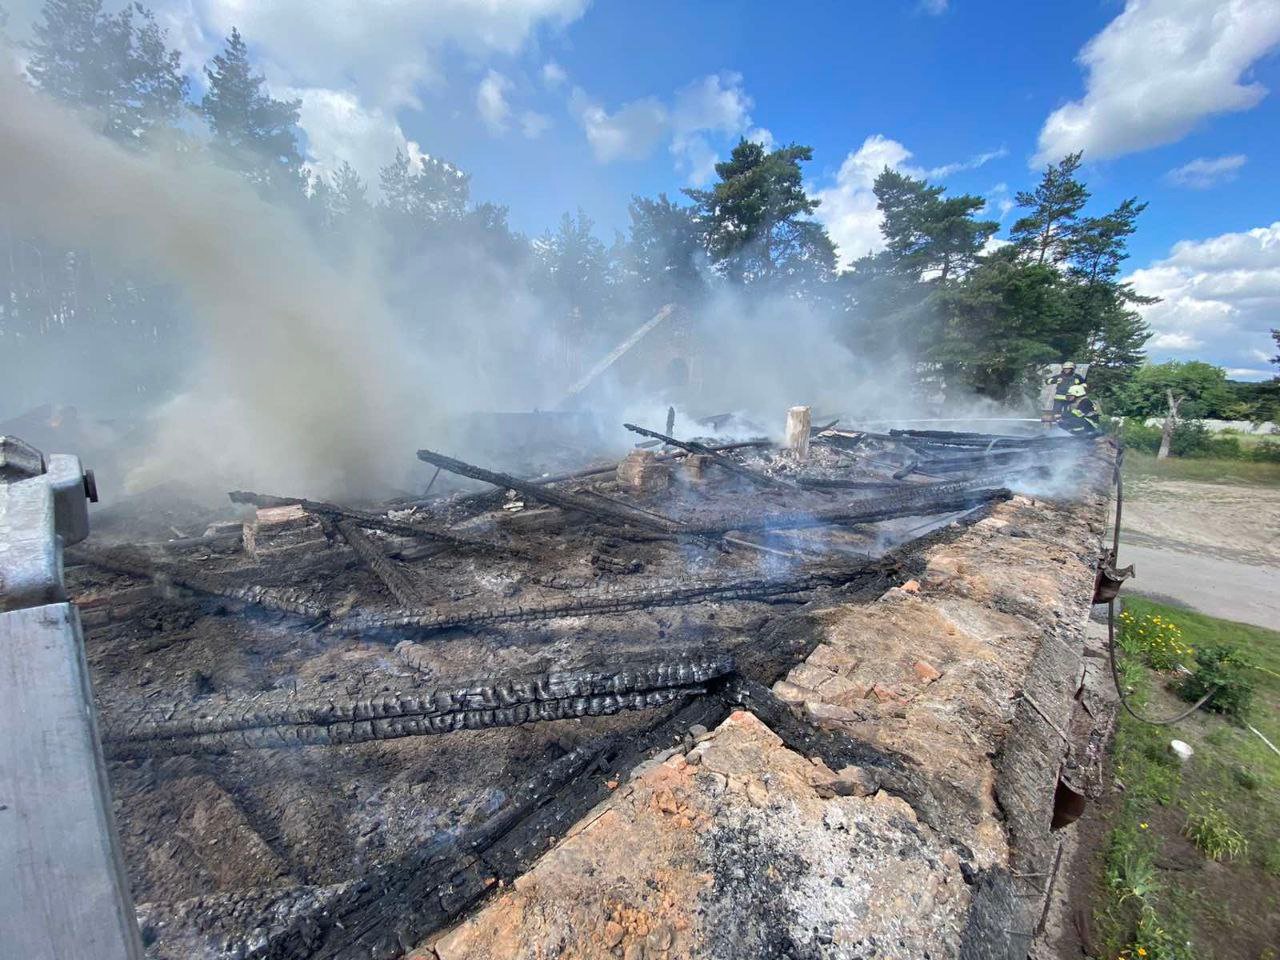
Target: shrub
x,y
1191,438
1210,829
1156,640
1222,674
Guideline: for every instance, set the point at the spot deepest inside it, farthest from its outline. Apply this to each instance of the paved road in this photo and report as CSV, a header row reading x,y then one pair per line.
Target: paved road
x,y
1204,581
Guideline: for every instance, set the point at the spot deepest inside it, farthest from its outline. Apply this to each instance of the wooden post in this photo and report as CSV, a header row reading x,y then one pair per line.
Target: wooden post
x,y
798,420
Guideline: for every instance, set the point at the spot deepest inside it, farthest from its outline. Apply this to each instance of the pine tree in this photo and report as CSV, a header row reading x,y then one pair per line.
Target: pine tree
x,y
252,132
1114,333
927,232
428,190
117,66
1047,232
665,252
756,219
350,195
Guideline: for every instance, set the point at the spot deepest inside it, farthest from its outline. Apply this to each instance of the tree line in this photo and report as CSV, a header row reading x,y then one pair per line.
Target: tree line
x,y
974,315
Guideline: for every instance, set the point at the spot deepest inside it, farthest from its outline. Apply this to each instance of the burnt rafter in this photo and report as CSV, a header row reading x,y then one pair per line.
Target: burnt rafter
x,y
728,463
375,521
917,501
268,720
605,602
549,495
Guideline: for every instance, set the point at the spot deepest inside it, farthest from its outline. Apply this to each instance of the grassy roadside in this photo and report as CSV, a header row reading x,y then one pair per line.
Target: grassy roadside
x,y
1140,466
1163,896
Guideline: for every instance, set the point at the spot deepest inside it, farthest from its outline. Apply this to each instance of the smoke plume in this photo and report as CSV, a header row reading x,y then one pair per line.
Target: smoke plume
x,y
299,382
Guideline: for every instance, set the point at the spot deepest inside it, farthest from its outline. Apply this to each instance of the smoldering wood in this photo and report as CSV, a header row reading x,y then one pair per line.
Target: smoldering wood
x,y
269,720
406,592
606,602
922,500
545,494
375,521
728,463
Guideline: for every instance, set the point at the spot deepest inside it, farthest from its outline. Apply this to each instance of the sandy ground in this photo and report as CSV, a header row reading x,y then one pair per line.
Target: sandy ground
x,y
1213,547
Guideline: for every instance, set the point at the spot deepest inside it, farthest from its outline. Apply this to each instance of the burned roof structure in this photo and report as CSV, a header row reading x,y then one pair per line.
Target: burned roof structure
x,y
719,699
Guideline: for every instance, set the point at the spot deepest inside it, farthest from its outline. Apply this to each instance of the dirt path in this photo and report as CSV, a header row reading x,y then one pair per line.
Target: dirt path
x,y
1211,546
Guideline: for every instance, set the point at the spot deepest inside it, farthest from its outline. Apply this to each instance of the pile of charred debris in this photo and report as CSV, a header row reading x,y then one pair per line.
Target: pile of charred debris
x,y
333,729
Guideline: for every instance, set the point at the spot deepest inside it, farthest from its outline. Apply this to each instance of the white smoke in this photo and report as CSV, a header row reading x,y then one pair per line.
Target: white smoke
x,y
300,383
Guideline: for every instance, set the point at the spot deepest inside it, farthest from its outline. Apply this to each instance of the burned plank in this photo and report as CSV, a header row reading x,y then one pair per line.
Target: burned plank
x,y
544,494
916,501
393,578
376,521
131,563
728,463
689,592
269,719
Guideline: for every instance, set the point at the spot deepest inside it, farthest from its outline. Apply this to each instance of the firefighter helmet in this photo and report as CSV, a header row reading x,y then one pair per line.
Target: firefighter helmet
x,y
1069,365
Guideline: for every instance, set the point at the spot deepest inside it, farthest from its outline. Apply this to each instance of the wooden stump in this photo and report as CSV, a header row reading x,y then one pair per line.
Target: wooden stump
x,y
798,421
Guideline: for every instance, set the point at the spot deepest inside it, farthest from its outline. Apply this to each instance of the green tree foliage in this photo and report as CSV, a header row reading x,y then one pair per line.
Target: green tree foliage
x,y
756,219
252,132
664,256
1204,386
118,67
1047,231
575,271
425,191
999,325
989,321
1101,306
929,235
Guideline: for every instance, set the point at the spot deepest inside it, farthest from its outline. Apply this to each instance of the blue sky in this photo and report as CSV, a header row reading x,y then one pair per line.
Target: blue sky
x,y
555,104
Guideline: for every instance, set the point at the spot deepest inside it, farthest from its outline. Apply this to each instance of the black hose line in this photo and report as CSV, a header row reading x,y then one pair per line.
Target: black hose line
x,y
1111,621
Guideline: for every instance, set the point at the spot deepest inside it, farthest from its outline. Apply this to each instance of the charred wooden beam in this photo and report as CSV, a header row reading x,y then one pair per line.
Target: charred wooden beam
x,y
375,521
914,501
268,720
545,494
393,578
728,463
130,563
610,602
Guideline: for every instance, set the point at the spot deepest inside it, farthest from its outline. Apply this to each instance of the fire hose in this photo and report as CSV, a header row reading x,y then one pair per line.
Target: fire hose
x,y
1109,581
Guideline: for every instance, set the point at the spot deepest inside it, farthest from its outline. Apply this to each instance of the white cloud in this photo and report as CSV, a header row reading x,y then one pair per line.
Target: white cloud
x,y
1158,69
1205,172
1174,342
1222,294
386,50
999,204
935,8
848,209
491,102
1250,373
553,75
715,104
631,132
973,163
338,128
714,107
355,63
534,124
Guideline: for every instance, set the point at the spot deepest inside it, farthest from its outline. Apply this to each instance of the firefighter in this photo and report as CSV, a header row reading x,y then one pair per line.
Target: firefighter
x,y
1063,383
1083,418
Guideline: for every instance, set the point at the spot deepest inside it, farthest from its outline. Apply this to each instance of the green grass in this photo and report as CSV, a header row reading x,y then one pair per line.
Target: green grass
x,y
1226,799
1140,466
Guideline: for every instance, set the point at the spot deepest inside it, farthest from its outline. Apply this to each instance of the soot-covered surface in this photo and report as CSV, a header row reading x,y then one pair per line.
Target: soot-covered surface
x,y
225,846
